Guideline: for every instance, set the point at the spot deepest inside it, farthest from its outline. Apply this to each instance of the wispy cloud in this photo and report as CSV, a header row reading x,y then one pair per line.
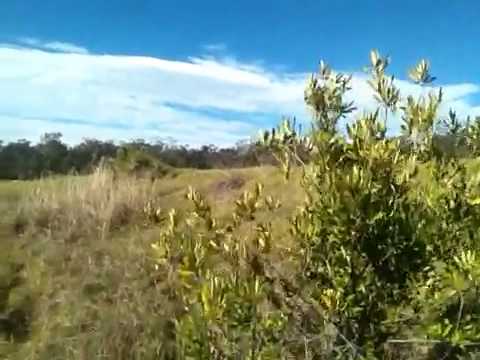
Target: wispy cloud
x,y
198,101
215,47
117,92
56,46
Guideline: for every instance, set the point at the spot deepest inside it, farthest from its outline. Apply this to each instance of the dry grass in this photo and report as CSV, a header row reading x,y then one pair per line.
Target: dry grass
x,y
85,207
84,248
85,270
75,207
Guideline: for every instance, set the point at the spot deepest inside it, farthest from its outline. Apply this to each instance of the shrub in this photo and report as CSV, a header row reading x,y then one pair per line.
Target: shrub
x,y
136,162
379,261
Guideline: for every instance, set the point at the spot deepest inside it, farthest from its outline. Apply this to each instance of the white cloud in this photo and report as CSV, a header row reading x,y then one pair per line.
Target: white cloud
x,y
138,93
199,101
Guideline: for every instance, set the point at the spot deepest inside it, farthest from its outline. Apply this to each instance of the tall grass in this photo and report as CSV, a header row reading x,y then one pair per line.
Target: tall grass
x,y
86,271
84,207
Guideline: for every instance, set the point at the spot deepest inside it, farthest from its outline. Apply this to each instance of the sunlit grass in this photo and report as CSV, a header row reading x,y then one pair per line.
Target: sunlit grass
x,y
84,246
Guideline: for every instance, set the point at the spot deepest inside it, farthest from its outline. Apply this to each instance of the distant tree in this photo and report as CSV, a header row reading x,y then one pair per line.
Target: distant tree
x,y
19,160
88,153
54,152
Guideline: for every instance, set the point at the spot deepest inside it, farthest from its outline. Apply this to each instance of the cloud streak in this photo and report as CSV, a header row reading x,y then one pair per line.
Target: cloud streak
x,y
55,46
61,87
215,47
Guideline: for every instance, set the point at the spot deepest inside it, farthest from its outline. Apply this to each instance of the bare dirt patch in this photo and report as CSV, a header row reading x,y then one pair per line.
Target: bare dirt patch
x,y
225,187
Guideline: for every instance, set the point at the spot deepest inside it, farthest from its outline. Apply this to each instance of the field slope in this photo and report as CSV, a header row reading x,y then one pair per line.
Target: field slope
x,y
75,258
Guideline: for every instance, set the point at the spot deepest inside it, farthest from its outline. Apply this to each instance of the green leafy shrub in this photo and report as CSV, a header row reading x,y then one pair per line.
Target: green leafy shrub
x,y
378,261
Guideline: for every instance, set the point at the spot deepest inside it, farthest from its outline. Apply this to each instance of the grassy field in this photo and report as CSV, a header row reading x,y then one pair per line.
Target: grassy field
x,y
75,260
77,249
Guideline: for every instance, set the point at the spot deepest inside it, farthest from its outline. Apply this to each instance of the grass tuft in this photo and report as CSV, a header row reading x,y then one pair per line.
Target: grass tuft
x,y
84,207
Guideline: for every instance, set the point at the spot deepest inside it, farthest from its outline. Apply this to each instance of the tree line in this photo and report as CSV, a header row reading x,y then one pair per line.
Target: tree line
x,y
22,159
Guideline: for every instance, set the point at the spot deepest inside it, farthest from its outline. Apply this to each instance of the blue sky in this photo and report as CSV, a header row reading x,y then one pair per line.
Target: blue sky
x,y
211,71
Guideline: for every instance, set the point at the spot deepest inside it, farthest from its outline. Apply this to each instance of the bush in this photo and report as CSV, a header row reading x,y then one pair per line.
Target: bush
x,y
379,262
139,163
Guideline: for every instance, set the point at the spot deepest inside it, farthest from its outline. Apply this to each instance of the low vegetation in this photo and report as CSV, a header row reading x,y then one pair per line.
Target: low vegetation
x,y
366,248
77,255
